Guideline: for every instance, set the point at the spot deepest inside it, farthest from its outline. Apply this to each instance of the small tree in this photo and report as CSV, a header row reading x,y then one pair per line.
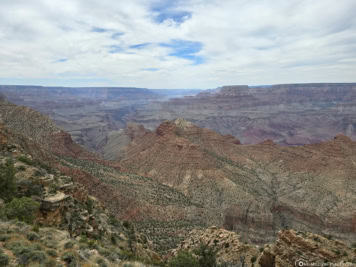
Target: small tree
x,y
207,256
131,238
23,209
183,259
4,259
7,181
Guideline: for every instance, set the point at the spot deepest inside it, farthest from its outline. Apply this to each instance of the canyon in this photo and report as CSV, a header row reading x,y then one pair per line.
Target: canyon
x,y
182,177
93,116
288,114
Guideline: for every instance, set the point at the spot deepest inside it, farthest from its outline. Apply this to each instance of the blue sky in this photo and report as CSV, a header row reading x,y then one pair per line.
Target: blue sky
x,y
177,43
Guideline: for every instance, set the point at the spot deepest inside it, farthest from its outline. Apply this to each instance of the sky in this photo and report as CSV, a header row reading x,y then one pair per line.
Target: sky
x,y
176,43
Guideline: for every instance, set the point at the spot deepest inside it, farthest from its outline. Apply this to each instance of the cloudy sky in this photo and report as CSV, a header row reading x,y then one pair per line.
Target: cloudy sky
x,y
176,43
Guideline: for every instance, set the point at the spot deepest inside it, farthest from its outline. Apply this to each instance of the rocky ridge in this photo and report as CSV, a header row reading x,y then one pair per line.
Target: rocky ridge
x,y
255,190
292,248
92,116
288,114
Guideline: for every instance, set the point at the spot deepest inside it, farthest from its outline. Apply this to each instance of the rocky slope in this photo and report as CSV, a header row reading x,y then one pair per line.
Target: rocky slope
x,y
182,177
255,190
289,114
92,116
126,195
70,227
292,248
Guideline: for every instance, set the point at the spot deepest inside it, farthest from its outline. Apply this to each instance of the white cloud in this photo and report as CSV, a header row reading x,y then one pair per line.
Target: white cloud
x,y
243,42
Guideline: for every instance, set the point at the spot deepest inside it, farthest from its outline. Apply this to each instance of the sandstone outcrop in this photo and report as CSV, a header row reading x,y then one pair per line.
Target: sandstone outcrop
x,y
226,244
292,248
295,248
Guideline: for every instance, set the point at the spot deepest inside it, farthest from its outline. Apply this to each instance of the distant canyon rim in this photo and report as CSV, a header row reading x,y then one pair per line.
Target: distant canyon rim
x,y
287,114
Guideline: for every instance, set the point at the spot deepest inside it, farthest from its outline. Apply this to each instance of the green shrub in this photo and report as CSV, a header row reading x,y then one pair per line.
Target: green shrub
x,y
4,238
38,256
70,258
104,252
32,188
125,255
21,168
69,244
113,221
37,163
25,253
92,244
23,209
83,239
4,259
36,228
101,262
32,236
126,224
52,252
45,166
51,263
207,256
25,160
39,173
113,239
90,206
317,239
183,259
7,181
253,259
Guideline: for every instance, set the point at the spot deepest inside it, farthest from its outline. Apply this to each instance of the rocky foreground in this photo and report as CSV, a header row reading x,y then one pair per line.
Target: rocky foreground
x,y
292,248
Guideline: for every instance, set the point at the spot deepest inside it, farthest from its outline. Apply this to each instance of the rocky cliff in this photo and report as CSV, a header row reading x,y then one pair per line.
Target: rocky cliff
x,y
93,116
289,114
255,190
292,248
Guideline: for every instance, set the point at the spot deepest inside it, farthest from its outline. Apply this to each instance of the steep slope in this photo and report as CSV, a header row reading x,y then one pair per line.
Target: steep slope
x,y
93,116
292,248
127,195
289,114
69,226
89,115
182,177
255,190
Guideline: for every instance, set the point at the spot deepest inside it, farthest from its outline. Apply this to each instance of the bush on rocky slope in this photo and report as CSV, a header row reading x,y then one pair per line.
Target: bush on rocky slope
x,y
70,227
7,180
23,209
